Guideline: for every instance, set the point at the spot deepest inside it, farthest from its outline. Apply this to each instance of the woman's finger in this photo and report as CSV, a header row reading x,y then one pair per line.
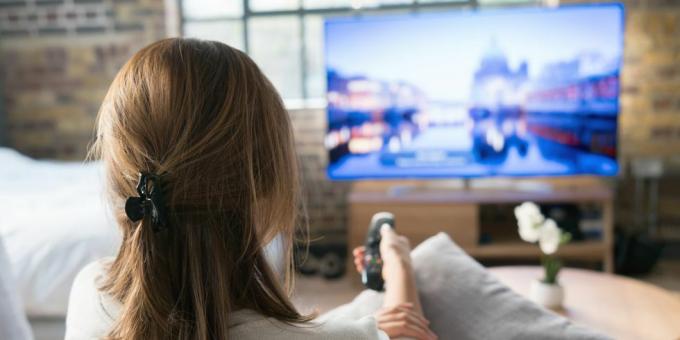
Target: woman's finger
x,y
391,309
359,265
359,253
404,307
403,315
403,329
425,334
412,319
406,320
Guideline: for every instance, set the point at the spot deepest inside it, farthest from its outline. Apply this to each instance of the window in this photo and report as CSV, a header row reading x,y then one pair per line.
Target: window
x,y
275,43
314,67
273,5
285,37
206,9
229,32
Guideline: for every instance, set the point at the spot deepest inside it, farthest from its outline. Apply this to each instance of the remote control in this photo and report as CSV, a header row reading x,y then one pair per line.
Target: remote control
x,y
371,276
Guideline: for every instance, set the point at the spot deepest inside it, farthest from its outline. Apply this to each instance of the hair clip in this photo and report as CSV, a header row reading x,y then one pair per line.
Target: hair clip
x,y
150,202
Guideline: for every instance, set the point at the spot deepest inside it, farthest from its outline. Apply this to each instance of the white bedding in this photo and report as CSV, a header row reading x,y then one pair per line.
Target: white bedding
x,y
53,221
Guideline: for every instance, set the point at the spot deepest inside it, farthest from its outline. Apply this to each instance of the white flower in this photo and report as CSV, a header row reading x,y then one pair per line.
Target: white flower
x,y
529,221
529,212
528,231
550,237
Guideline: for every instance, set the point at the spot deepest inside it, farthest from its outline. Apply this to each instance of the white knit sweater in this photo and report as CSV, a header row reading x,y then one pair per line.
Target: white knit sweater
x,y
91,314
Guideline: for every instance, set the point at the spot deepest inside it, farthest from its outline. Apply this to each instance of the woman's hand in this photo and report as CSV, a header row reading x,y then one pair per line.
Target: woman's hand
x,y
402,315
395,251
403,321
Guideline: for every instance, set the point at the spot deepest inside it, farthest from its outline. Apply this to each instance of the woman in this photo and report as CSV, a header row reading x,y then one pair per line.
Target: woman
x,y
202,174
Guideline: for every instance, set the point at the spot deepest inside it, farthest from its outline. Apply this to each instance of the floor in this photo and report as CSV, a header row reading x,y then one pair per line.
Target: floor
x,y
314,294
666,274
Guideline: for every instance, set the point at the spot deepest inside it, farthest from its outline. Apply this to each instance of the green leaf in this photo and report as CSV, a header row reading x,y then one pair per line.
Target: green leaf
x,y
565,238
552,267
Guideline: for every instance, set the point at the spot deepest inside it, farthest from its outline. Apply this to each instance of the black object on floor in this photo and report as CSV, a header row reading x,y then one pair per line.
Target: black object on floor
x,y
327,260
635,253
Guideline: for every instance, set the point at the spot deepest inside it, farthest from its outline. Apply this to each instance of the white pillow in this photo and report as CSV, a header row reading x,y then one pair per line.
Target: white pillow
x,y
54,221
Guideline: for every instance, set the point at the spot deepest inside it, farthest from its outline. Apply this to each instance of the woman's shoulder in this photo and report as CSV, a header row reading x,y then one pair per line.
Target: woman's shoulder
x,y
246,324
364,328
90,311
93,271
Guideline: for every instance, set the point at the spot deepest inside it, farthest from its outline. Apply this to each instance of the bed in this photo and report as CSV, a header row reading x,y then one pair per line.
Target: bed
x,y
53,221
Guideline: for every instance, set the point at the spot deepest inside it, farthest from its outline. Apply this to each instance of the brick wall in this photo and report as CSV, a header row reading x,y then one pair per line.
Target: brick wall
x,y
326,200
649,124
58,58
3,128
650,101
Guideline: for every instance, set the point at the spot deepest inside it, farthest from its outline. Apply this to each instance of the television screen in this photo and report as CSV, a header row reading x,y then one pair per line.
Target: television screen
x,y
515,92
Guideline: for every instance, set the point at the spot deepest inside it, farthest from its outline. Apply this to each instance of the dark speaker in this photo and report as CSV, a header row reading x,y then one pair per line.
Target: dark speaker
x,y
635,253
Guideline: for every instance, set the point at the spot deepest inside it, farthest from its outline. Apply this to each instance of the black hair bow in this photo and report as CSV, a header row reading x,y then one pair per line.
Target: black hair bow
x,y
150,201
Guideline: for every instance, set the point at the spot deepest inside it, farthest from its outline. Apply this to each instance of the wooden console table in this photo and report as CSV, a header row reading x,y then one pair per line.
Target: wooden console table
x,y
618,306
423,209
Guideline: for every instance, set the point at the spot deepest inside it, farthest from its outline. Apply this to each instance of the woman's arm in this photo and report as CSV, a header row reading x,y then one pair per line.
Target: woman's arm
x,y
402,314
400,282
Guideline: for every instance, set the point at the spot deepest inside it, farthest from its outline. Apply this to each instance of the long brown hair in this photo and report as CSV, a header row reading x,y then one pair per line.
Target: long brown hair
x,y
204,115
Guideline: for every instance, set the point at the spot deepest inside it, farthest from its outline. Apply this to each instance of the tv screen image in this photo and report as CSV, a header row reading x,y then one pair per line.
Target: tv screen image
x,y
515,92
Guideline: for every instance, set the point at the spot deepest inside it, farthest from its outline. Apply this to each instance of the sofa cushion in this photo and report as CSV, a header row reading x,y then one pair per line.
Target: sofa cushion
x,y
463,300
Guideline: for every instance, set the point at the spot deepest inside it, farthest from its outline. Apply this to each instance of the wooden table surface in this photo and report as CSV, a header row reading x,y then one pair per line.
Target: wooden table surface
x,y
622,307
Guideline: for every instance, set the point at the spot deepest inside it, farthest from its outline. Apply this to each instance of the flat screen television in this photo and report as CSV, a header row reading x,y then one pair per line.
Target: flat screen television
x,y
513,92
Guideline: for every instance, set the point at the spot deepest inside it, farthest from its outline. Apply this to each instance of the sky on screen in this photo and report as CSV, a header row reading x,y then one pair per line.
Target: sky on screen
x,y
440,52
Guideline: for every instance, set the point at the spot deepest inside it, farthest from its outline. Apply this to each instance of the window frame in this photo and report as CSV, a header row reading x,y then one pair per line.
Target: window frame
x,y
300,13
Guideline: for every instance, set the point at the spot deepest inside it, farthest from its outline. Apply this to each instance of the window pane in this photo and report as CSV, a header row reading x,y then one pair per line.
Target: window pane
x,y
198,9
273,5
274,43
430,1
395,2
352,3
501,2
327,3
229,32
314,57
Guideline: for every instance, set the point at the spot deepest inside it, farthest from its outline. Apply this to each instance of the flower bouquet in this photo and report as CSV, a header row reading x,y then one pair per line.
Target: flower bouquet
x,y
534,227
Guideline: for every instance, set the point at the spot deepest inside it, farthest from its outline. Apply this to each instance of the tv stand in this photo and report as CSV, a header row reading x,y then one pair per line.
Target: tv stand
x,y
466,185
424,208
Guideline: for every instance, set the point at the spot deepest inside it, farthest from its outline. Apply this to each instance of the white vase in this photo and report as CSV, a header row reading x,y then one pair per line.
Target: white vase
x,y
547,295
